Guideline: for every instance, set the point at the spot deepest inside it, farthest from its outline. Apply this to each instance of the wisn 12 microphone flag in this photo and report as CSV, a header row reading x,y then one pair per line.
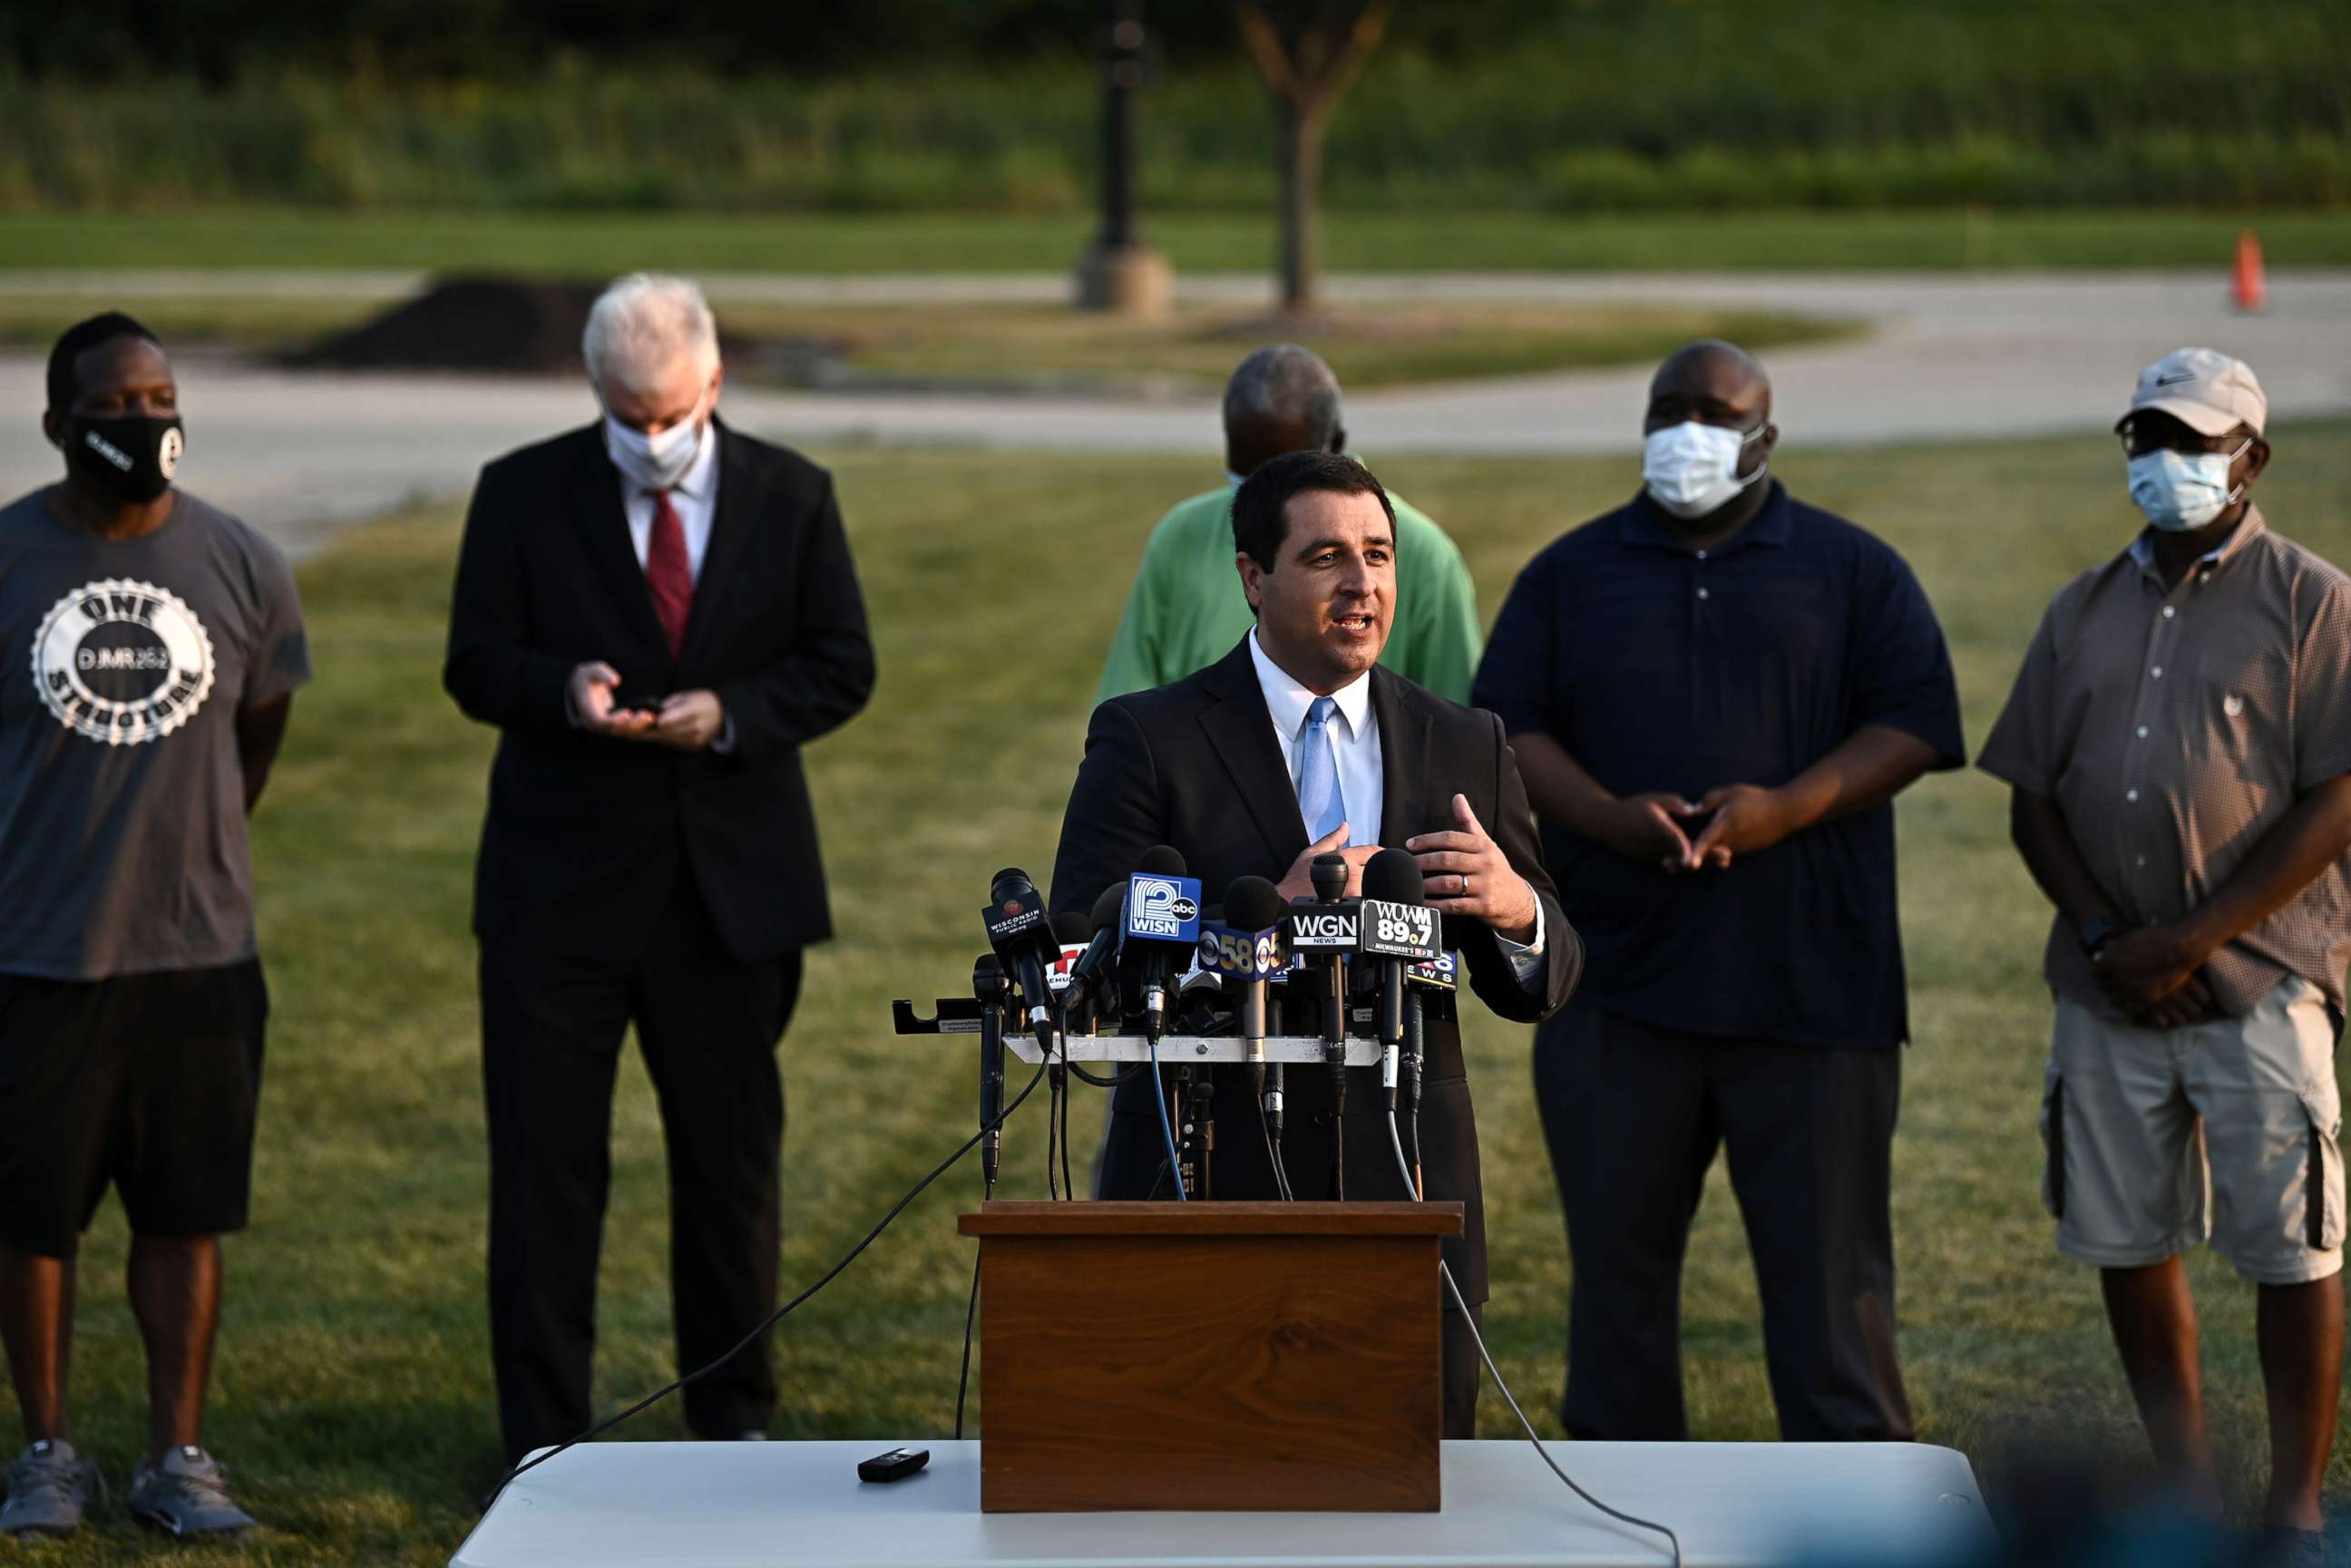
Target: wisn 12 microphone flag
x,y
1162,909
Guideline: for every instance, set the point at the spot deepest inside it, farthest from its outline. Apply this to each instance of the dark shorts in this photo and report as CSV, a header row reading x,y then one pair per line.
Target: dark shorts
x,y
148,1083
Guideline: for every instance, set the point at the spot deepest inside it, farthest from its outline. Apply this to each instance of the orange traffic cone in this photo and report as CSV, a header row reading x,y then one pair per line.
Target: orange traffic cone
x,y
2250,291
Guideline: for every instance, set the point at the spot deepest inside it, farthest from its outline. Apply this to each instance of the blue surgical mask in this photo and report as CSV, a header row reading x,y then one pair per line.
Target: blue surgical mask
x,y
2183,491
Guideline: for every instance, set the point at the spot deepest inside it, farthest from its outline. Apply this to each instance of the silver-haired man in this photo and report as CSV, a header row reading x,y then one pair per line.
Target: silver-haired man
x,y
657,612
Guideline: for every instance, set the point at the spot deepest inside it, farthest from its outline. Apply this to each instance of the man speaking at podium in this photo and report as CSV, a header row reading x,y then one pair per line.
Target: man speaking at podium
x,y
1295,745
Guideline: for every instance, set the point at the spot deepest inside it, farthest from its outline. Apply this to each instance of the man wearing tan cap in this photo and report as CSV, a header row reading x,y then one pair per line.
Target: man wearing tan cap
x,y
2179,742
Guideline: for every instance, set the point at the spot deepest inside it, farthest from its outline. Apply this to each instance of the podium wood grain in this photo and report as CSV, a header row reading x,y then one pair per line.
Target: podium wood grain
x,y
1210,1355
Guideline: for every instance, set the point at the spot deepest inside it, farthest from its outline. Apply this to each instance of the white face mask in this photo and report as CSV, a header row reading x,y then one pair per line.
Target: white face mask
x,y
655,462
2183,491
1692,469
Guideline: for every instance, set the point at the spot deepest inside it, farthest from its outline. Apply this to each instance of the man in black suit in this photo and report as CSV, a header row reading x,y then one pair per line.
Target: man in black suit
x,y
1274,754
657,611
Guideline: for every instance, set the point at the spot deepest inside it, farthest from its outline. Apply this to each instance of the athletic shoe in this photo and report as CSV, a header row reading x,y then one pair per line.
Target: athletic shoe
x,y
187,1494
49,1486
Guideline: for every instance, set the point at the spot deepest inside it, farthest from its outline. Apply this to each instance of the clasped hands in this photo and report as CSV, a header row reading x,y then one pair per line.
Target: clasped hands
x,y
1655,827
689,721
2156,974
1465,872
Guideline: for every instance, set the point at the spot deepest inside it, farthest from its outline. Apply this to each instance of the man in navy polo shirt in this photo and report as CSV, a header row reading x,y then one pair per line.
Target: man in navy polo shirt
x,y
1715,692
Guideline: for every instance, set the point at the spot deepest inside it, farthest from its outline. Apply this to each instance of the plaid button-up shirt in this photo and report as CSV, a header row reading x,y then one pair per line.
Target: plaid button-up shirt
x,y
2173,728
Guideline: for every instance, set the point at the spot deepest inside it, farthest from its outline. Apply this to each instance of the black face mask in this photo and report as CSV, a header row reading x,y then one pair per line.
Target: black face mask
x,y
131,457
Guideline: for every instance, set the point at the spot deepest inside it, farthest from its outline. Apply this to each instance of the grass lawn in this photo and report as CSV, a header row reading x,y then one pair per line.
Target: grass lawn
x,y
1191,350
352,1396
601,243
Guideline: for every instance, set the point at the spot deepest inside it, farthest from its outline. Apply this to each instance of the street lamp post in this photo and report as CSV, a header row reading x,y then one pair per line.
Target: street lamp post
x,y
1118,272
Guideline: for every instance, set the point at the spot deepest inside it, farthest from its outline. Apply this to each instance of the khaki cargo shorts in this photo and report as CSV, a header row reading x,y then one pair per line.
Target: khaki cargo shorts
x,y
2225,1132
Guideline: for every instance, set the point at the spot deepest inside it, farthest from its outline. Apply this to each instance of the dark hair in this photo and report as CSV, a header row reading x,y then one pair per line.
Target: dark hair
x,y
1259,524
79,339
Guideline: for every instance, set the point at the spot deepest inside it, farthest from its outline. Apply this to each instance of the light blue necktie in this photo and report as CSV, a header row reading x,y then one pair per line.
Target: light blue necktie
x,y
1320,804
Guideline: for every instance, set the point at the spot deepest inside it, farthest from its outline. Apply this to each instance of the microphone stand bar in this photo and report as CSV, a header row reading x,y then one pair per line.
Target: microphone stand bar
x,y
1178,1050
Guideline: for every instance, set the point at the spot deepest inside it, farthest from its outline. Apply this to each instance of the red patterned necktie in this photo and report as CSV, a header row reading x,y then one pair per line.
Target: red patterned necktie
x,y
668,574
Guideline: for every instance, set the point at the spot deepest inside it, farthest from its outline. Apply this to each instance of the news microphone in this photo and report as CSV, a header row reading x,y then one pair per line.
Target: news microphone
x,y
1323,929
1022,936
989,985
1441,973
1069,932
1277,987
1329,876
1248,948
1327,924
1093,979
1160,926
1393,928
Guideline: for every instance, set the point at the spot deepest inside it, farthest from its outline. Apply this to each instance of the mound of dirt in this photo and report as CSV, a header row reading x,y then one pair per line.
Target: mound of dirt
x,y
468,323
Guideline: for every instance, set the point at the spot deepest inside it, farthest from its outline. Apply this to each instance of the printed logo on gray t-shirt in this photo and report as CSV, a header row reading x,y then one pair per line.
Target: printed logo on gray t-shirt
x,y
123,662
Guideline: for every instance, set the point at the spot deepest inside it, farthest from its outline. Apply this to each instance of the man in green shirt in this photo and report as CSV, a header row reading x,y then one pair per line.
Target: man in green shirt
x,y
1187,609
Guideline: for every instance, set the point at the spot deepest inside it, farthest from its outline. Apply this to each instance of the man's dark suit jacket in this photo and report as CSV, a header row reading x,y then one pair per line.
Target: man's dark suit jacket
x,y
585,833
1195,765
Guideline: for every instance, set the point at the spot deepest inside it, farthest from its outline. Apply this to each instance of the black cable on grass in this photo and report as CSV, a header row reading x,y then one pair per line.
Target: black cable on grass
x,y
696,1376
970,1311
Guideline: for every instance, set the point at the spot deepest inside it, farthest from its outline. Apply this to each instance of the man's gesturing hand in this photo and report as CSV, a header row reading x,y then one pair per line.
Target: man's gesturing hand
x,y
1298,881
690,720
1467,873
590,692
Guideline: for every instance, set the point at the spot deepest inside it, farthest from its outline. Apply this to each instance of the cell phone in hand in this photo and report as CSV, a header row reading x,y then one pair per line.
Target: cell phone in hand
x,y
650,706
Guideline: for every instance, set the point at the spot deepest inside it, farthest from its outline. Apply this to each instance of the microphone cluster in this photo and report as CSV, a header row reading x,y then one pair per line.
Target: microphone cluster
x,y
1150,939
1149,944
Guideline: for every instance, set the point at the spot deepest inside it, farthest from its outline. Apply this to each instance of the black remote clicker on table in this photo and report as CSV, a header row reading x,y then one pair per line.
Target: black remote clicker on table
x,y
895,1465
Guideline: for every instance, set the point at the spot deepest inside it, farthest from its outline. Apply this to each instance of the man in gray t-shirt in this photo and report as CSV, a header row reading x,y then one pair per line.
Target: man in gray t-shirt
x,y
149,647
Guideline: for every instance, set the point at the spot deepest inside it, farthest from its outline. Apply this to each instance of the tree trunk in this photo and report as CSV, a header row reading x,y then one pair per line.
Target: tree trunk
x,y
1301,154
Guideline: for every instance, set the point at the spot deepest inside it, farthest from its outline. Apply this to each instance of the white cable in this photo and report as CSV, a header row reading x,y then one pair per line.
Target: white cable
x,y
1404,1169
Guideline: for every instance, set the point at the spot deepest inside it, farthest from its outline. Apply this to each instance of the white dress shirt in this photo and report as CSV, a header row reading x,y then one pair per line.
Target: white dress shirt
x,y
1354,732
694,498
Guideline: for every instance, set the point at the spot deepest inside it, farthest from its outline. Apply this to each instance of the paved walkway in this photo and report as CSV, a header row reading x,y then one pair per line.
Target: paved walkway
x,y
1948,357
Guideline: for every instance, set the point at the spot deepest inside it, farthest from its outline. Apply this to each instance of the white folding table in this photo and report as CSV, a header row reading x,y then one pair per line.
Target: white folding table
x,y
781,1505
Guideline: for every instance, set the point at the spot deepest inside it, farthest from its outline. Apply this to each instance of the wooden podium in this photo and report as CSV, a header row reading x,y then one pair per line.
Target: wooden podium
x,y
1210,1355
